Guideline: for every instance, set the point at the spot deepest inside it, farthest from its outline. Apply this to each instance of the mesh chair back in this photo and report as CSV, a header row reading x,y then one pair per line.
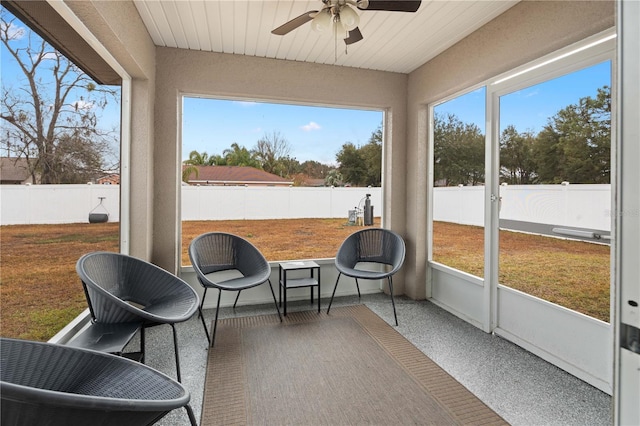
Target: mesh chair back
x,y
59,385
372,245
122,288
218,251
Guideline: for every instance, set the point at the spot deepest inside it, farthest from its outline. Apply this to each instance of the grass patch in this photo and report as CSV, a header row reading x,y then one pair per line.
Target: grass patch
x,y
40,291
574,274
79,238
48,322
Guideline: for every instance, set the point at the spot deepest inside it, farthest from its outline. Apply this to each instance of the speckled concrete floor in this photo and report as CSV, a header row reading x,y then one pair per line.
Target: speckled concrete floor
x,y
522,388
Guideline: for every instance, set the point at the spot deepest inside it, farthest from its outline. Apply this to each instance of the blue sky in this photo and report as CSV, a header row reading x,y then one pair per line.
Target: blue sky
x,y
530,108
313,133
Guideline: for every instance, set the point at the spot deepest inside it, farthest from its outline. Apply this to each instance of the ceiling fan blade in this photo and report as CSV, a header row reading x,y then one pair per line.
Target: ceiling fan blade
x,y
294,23
354,36
390,5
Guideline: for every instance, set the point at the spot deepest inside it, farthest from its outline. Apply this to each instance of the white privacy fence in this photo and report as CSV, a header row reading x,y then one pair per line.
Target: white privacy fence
x,y
43,204
576,206
262,202
580,206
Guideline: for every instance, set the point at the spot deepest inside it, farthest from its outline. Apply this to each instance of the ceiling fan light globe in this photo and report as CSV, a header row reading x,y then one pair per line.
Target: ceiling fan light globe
x,y
321,22
349,18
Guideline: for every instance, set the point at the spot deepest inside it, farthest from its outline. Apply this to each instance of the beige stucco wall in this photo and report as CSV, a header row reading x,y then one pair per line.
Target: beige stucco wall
x,y
525,32
223,75
119,28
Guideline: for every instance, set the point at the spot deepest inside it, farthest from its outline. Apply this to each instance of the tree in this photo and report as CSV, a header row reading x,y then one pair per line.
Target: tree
x,y
458,152
240,156
548,155
575,145
362,166
51,118
315,169
272,151
372,156
352,167
191,164
334,178
517,162
199,159
287,167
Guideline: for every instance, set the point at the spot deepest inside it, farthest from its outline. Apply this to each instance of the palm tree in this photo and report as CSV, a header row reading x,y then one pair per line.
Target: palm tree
x,y
191,165
188,170
240,156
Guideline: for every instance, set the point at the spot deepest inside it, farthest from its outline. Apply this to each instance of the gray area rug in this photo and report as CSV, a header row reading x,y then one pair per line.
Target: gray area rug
x,y
346,368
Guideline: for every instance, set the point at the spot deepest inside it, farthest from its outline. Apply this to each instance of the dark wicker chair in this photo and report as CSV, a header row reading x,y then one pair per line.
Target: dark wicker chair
x,y
216,252
48,384
123,289
370,245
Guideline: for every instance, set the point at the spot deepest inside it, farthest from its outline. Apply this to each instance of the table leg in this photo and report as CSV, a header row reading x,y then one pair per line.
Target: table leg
x,y
311,287
319,290
284,290
280,286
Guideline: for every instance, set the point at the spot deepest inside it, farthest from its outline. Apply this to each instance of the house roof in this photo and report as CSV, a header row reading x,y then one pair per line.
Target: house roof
x,y
110,179
235,175
13,170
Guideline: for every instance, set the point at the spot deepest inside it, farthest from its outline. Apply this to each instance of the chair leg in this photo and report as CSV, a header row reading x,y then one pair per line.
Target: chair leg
x,y
175,349
142,344
358,287
215,322
202,301
204,324
334,292
392,301
192,417
201,315
237,297
274,299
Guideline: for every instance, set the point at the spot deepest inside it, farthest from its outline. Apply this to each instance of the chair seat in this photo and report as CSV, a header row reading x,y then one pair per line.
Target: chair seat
x,y
363,273
171,311
234,284
111,338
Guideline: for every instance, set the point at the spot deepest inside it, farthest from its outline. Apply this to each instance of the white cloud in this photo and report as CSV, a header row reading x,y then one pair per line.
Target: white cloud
x,y
14,32
311,126
49,55
245,103
82,105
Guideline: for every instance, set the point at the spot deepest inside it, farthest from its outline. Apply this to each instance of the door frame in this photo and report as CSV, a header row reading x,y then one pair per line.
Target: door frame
x,y
582,345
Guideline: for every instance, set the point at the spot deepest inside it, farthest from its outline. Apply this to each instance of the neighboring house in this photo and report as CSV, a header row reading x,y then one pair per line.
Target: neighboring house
x,y
14,171
234,176
111,179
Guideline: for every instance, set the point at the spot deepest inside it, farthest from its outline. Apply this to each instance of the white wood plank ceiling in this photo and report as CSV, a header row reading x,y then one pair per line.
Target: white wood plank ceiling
x,y
393,41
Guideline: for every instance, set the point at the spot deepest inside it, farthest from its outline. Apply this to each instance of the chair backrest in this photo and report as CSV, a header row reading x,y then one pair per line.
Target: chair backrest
x,y
43,383
372,245
118,287
219,251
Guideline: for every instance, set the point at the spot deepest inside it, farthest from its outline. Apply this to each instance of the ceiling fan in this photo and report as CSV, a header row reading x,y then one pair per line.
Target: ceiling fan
x,y
342,15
